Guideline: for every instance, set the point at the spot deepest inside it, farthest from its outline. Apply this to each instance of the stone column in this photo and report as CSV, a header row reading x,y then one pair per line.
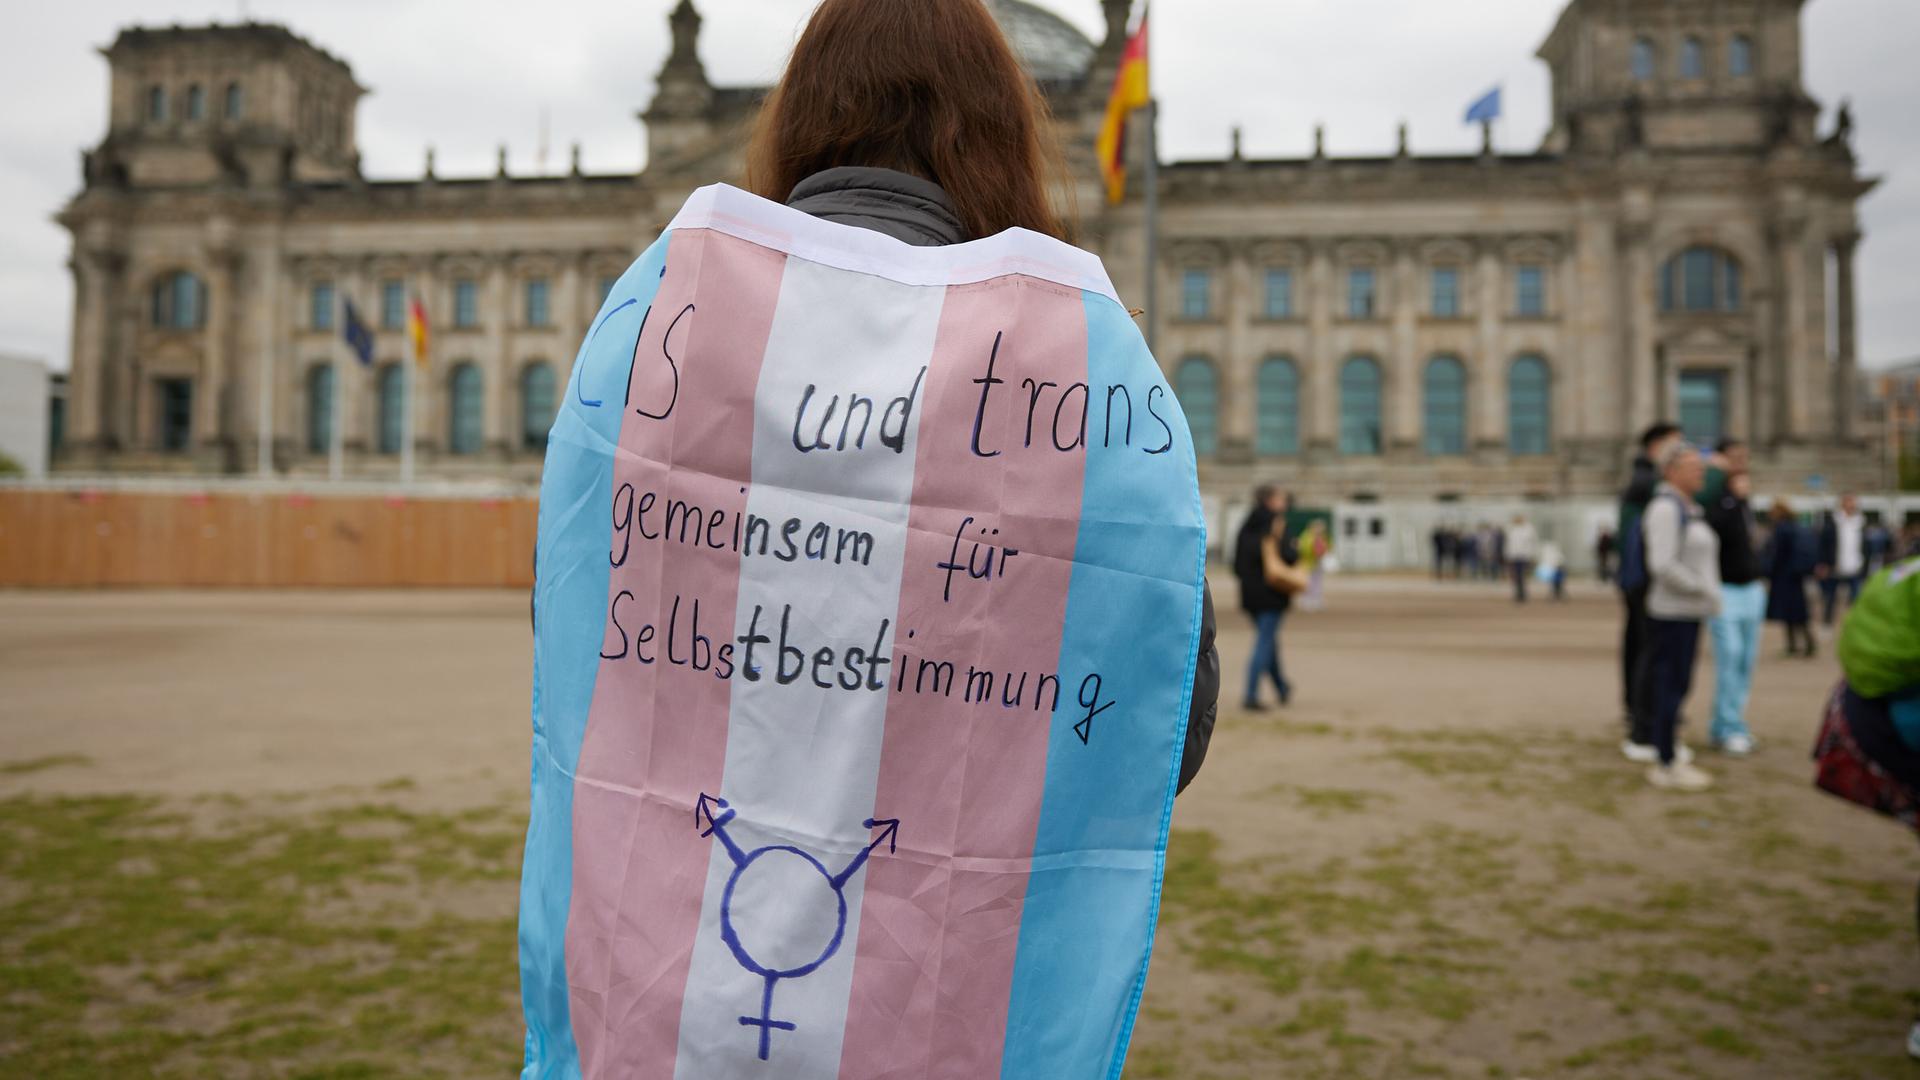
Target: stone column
x,y
1404,412
496,362
1236,367
1486,414
1844,374
1790,272
87,374
1637,301
1320,367
213,402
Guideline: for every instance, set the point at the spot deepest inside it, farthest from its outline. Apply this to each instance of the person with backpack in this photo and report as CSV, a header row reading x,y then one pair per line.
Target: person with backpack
x,y
1632,582
1868,750
1787,559
1683,590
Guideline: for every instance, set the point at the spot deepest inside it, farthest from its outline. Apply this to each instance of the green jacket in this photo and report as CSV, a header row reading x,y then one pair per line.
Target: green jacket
x,y
1880,641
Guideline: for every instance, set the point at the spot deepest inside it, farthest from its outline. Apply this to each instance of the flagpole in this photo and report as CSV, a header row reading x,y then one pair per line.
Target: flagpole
x,y
1153,198
336,444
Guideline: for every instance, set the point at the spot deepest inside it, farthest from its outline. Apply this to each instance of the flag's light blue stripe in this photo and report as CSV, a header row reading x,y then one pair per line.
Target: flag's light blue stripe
x,y
1133,614
570,600
1487,107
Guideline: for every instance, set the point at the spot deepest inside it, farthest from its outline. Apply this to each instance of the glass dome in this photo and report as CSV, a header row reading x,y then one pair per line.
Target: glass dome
x,y
1050,46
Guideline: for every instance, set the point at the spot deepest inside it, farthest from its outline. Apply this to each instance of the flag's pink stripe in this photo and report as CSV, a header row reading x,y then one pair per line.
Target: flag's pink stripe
x,y
940,922
640,865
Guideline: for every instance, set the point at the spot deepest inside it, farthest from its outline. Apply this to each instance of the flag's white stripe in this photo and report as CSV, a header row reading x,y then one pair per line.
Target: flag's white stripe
x,y
847,247
802,763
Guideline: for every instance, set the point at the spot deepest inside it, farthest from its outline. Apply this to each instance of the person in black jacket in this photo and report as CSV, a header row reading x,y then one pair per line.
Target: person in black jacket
x,y
1267,605
1743,603
1633,596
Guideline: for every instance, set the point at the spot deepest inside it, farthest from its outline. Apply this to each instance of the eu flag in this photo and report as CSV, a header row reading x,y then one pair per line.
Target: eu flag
x,y
359,338
1486,110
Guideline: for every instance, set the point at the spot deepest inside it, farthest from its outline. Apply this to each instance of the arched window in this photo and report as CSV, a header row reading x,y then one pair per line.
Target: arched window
x,y
1740,56
464,406
1641,61
236,102
536,404
1278,401
319,408
1199,393
157,103
179,301
1700,279
1693,64
393,408
196,102
1529,407
1359,406
1445,392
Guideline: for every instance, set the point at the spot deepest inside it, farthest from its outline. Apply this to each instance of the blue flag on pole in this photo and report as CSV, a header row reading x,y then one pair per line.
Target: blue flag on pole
x,y
1486,110
359,338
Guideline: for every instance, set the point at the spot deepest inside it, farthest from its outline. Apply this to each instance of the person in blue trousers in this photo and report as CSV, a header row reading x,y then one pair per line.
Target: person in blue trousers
x,y
1264,603
1743,605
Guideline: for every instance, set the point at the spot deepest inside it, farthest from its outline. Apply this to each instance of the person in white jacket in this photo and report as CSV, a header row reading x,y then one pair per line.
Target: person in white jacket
x,y
1683,570
1523,550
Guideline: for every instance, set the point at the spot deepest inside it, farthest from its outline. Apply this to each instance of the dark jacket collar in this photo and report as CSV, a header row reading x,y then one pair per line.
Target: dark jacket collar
x,y
901,206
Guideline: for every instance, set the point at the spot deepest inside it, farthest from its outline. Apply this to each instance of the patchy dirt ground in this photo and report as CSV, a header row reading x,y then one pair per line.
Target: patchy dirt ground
x,y
249,834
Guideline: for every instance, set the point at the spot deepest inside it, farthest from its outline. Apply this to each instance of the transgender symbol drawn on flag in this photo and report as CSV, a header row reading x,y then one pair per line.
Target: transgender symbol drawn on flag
x,y
793,881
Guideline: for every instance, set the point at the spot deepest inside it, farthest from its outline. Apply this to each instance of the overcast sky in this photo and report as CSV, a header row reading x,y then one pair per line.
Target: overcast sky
x,y
467,76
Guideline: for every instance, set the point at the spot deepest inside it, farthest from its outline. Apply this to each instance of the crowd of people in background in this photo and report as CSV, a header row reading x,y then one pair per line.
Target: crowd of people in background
x,y
1488,552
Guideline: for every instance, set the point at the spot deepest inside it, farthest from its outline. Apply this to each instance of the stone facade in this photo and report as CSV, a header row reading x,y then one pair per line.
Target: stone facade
x,y
1397,328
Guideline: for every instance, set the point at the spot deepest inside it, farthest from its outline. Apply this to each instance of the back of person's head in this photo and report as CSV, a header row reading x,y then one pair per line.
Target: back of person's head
x,y
1727,445
1658,432
927,87
1780,512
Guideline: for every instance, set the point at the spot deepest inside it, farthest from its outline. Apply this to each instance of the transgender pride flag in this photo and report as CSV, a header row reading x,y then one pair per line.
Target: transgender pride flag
x,y
869,587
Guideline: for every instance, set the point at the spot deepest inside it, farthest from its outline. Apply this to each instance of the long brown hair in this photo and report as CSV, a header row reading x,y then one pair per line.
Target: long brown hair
x,y
928,87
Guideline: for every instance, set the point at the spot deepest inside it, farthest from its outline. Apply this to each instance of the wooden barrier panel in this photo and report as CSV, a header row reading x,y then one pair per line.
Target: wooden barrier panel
x,y
105,538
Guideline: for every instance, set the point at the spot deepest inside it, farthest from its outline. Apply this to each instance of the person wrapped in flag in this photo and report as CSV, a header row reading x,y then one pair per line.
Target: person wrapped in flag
x,y
872,640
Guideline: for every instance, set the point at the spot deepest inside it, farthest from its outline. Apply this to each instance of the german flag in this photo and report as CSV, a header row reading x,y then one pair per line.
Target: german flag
x,y
417,329
1130,92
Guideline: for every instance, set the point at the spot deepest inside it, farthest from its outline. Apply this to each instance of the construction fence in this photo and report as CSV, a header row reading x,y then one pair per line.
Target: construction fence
x,y
273,537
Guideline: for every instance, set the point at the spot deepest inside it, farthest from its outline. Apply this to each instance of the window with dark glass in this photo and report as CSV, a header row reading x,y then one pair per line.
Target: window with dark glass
x,y
1196,293
465,401
1446,292
1278,429
319,408
1360,406
236,102
393,305
466,303
196,102
1279,293
176,414
537,313
1195,384
1530,290
1641,62
1693,64
320,306
1740,56
393,408
1703,406
156,103
536,404
1445,393
1360,298
179,301
1529,407
1700,279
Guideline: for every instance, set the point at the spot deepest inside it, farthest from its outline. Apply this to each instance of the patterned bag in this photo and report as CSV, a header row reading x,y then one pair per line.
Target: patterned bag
x,y
1844,770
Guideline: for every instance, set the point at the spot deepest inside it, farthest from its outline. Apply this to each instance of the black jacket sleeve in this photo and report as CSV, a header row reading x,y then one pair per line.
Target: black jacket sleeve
x,y
1206,697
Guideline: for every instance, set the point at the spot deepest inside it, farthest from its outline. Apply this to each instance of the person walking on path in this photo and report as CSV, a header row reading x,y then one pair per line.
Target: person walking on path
x,y
1683,569
1743,606
1786,560
1263,602
1553,570
1522,545
1843,557
1631,577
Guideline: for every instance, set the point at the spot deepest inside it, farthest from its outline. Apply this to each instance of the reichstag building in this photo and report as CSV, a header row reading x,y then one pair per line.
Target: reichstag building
x,y
1396,329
